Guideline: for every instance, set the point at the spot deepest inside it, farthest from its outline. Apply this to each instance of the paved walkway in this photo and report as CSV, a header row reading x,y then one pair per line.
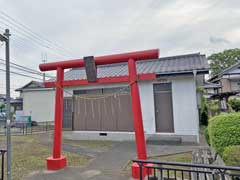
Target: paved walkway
x,y
46,139
115,159
74,173
108,165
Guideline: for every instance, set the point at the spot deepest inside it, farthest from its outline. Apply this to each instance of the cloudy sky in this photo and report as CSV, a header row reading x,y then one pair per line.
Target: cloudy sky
x,y
73,29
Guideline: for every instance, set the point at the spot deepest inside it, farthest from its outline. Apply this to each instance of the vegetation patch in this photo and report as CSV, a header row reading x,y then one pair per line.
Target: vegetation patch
x,y
29,155
235,104
102,145
206,134
231,155
179,157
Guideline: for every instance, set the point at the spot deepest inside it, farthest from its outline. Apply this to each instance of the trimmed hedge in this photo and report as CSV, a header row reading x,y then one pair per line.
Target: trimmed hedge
x,y
224,130
235,104
231,155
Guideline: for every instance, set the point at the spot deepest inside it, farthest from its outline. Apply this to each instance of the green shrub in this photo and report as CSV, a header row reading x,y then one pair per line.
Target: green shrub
x,y
224,130
231,155
206,134
235,104
204,112
213,107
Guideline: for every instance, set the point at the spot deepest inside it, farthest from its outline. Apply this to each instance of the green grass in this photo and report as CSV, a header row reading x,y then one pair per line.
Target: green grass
x,y
180,157
102,145
29,155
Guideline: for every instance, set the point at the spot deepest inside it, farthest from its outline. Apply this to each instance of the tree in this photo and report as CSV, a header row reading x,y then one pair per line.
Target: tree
x,y
222,60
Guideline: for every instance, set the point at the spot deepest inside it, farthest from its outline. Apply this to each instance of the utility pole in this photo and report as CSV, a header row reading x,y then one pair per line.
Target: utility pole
x,y
5,37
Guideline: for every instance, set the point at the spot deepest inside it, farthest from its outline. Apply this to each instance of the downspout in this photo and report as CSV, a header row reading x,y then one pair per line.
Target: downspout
x,y
195,80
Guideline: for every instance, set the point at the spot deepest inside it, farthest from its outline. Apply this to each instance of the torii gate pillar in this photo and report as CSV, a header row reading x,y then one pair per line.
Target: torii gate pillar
x,y
137,120
57,161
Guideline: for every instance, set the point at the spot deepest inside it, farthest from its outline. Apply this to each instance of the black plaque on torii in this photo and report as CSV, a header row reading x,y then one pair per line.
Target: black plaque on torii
x,y
90,68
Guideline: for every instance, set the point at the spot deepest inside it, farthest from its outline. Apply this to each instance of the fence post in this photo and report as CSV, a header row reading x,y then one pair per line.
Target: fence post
x,y
2,175
222,174
31,128
141,174
2,169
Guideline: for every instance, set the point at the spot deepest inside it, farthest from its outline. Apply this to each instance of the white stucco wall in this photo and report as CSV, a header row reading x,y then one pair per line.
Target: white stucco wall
x,y
39,104
185,112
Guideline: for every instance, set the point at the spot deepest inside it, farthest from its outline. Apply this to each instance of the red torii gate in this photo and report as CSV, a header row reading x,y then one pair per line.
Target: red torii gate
x,y
57,161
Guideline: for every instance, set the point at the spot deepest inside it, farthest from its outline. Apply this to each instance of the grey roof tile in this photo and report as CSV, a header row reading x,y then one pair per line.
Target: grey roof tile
x,y
163,65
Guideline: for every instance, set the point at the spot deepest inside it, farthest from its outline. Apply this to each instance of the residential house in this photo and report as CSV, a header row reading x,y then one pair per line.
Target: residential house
x,y
229,82
211,89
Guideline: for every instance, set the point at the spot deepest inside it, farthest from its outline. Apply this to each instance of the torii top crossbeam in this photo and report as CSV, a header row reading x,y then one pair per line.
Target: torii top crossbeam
x,y
57,161
101,60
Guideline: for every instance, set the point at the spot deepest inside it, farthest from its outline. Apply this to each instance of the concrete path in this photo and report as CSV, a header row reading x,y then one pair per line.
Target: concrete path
x,y
46,139
115,159
108,165
74,173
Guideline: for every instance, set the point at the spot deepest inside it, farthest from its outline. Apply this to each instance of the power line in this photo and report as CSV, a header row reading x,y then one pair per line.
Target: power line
x,y
36,42
20,74
21,43
21,69
34,34
3,84
26,69
2,87
36,38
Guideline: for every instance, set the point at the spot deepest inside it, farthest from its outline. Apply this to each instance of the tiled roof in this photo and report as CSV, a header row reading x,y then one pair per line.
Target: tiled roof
x,y
234,69
32,85
165,65
209,85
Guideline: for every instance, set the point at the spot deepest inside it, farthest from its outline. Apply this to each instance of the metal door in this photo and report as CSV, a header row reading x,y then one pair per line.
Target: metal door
x,y
163,107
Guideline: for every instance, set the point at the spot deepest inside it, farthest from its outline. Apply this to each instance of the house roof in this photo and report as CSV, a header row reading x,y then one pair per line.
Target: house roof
x,y
228,71
31,85
165,65
2,96
210,85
